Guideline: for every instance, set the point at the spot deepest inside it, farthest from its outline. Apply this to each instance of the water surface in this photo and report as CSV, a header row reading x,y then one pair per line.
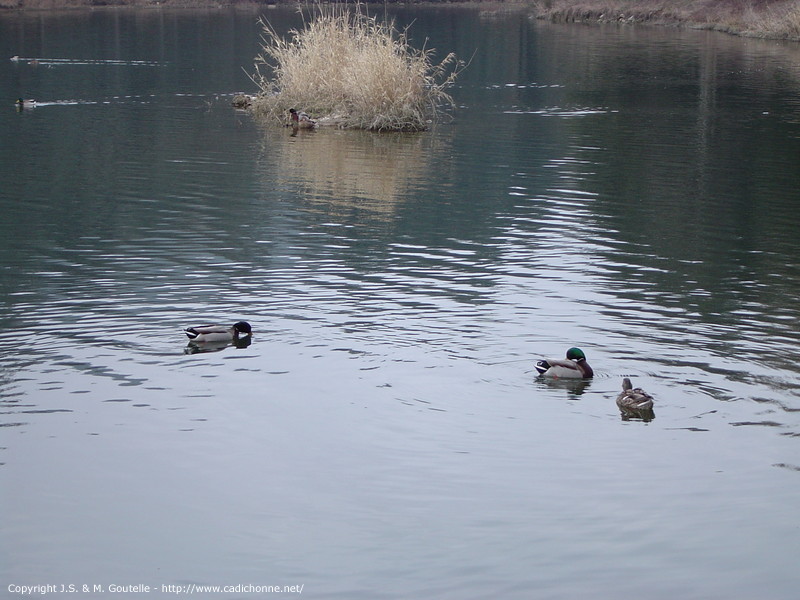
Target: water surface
x,y
630,191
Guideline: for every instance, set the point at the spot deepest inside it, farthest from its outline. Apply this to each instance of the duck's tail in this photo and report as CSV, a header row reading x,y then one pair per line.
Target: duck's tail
x,y
542,366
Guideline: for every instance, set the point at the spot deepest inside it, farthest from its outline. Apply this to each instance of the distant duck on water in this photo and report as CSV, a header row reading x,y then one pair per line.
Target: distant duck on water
x,y
242,101
23,103
219,333
574,366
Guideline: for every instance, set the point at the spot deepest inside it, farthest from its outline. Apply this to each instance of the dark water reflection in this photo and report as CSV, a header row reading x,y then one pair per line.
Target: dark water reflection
x,y
627,190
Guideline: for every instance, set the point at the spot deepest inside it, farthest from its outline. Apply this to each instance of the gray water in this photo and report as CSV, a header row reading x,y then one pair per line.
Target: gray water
x,y
627,190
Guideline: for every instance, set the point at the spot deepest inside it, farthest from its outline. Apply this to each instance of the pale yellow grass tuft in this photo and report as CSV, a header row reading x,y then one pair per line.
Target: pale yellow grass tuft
x,y
360,72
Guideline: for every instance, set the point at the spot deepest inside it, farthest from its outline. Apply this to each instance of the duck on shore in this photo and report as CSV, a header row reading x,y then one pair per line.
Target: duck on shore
x,y
300,120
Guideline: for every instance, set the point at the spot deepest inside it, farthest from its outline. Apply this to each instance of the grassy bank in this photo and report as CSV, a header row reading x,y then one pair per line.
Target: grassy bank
x,y
777,19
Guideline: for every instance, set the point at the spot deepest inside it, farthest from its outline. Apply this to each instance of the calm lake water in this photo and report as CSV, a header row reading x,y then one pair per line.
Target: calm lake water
x,y
632,191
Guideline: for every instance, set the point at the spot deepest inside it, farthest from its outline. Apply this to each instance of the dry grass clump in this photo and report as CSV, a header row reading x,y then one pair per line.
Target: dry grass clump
x,y
347,66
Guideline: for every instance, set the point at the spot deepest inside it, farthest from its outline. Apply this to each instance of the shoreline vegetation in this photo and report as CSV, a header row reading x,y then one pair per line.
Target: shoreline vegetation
x,y
769,19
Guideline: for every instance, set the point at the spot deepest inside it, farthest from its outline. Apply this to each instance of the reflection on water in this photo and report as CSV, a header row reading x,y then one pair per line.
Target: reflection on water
x,y
630,191
573,388
196,348
349,170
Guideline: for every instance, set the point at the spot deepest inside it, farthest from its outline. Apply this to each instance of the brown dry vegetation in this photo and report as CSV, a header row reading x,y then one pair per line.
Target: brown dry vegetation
x,y
758,18
778,19
354,69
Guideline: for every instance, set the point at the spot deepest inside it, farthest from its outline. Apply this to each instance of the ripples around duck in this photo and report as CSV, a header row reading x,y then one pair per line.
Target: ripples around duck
x,y
381,239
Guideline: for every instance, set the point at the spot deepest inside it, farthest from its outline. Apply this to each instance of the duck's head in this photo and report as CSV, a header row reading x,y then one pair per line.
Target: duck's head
x,y
242,328
576,354
20,101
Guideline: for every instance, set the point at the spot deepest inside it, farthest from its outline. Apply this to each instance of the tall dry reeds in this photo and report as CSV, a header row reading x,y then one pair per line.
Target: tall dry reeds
x,y
353,69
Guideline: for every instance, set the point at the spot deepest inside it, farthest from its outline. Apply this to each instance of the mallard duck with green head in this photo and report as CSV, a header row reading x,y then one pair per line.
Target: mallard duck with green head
x,y
574,366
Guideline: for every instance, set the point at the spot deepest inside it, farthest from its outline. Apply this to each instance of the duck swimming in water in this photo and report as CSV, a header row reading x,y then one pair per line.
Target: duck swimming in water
x,y
574,366
219,333
22,103
632,398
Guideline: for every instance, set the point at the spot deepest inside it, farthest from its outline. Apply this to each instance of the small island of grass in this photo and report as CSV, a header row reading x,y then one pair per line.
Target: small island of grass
x,y
347,68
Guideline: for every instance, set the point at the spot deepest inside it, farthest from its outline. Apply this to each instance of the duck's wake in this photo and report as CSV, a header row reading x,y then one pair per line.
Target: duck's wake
x,y
53,62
